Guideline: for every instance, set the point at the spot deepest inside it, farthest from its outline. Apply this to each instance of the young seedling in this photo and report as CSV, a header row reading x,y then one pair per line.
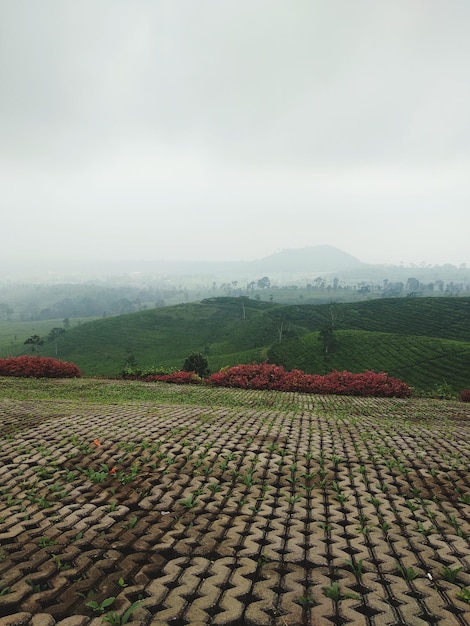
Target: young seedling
x,y
36,587
248,480
131,523
333,591
263,559
116,620
4,590
374,501
188,502
357,567
408,573
214,487
100,607
337,460
450,573
293,499
46,541
61,566
464,594
425,531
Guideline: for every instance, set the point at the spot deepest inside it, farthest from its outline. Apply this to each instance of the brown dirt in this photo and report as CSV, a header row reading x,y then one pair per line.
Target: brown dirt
x,y
235,516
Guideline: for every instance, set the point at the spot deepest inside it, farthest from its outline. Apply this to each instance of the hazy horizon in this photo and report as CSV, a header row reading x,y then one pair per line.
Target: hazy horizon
x,y
148,130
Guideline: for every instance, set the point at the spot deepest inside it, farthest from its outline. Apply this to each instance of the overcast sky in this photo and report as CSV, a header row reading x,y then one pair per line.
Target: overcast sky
x,y
231,129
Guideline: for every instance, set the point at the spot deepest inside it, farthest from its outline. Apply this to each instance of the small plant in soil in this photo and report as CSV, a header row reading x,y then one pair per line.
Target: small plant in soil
x,y
100,607
36,587
248,480
131,523
306,601
116,620
408,573
293,499
46,541
464,594
61,566
357,567
188,502
425,531
334,592
450,573
4,590
263,559
70,475
214,487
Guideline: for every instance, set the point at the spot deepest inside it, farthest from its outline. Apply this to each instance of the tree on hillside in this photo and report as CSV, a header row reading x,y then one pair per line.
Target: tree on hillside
x,y
35,342
6,311
197,362
53,337
130,362
264,283
328,342
243,299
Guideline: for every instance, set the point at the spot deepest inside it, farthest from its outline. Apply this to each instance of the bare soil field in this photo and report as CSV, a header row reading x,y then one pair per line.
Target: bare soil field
x,y
235,508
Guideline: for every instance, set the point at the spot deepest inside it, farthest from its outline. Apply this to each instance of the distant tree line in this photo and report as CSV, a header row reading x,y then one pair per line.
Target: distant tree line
x,y
41,302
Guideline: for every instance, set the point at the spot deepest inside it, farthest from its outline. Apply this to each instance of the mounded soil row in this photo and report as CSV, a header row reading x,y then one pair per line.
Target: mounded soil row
x,y
313,511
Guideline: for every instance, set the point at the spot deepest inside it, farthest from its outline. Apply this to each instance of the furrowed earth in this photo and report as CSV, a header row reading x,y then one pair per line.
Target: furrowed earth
x,y
233,507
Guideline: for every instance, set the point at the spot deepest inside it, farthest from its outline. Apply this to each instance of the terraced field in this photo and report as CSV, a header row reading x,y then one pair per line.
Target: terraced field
x,y
423,362
127,502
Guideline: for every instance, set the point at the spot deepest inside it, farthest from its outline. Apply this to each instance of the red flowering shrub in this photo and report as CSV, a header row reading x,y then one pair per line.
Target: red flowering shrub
x,y
179,378
267,376
465,395
264,376
365,384
37,367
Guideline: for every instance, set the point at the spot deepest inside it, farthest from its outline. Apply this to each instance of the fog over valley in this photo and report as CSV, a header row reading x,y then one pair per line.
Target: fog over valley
x,y
148,132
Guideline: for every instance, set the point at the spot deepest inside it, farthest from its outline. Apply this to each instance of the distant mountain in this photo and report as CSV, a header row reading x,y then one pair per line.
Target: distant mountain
x,y
286,264
310,259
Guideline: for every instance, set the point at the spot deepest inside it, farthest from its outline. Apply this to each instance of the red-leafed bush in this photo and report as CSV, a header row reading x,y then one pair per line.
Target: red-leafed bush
x,y
465,395
179,378
368,383
266,376
37,367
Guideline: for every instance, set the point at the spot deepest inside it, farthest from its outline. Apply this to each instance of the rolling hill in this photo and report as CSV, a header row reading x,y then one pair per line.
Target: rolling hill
x,y
314,259
424,341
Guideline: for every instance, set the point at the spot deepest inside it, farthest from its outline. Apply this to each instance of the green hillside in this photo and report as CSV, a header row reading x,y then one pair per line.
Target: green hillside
x,y
165,336
423,362
424,341
446,318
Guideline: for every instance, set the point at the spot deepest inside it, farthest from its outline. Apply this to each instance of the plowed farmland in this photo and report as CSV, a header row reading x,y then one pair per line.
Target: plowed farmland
x,y
213,506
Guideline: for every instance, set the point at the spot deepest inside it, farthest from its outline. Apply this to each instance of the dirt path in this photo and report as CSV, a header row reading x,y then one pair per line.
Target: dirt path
x,y
350,511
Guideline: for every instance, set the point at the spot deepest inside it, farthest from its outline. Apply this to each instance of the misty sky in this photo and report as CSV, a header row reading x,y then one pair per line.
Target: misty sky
x,y
231,129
